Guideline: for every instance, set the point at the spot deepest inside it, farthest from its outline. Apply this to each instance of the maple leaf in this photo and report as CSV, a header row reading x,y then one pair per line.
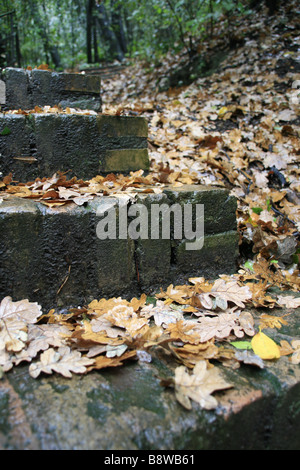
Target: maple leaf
x,y
63,361
199,385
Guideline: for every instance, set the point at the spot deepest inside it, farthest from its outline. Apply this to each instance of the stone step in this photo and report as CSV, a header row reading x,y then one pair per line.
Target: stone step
x,y
126,408
41,144
60,256
26,89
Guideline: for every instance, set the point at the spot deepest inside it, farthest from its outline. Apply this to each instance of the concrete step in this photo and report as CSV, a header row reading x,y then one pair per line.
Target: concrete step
x,y
26,89
39,144
59,256
126,408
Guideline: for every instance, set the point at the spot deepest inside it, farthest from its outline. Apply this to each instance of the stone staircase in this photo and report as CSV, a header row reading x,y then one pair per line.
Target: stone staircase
x,y
56,256
53,255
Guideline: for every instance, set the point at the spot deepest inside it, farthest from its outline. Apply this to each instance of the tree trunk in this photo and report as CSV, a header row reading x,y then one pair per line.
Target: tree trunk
x,y
42,31
89,27
104,25
118,28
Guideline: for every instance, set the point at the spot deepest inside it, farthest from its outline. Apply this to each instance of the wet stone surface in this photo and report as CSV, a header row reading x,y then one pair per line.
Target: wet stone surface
x,y
39,145
59,247
127,408
25,89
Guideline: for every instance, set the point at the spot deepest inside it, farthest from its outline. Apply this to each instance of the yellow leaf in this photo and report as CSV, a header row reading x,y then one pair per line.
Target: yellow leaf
x,y
223,111
265,347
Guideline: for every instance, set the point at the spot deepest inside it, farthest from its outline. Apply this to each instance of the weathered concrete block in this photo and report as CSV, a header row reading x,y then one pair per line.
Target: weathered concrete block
x,y
153,256
219,207
70,255
26,89
20,234
55,257
218,255
39,145
219,251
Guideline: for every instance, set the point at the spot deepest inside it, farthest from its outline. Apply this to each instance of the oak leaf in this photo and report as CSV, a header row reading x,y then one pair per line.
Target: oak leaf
x,y
199,385
101,362
183,330
230,291
295,359
40,338
23,310
64,361
271,321
288,301
222,326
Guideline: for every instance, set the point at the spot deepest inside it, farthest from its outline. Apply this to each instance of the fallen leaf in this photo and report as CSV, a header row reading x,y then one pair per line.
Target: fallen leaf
x,y
271,321
295,359
222,325
288,301
64,361
247,357
265,347
102,362
231,292
199,385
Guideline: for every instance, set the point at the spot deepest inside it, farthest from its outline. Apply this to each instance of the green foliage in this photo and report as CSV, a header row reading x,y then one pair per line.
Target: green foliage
x,y
55,31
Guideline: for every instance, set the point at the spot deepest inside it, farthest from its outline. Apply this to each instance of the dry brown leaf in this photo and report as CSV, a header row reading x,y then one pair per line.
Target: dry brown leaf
x,y
40,338
199,385
84,336
288,301
124,316
13,335
231,292
222,325
183,331
101,362
271,321
23,310
190,354
64,361
295,359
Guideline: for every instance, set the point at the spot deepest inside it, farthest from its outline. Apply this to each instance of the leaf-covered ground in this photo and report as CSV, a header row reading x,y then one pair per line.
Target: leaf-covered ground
x,y
239,129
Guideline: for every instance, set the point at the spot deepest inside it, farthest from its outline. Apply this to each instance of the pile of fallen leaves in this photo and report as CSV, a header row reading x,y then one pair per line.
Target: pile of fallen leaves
x,y
237,129
56,109
198,324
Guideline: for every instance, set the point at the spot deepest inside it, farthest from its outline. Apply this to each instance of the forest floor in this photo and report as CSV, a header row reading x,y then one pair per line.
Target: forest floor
x,y
238,129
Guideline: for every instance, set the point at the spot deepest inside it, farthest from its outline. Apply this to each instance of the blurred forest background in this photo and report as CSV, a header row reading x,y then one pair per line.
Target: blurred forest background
x,y
68,34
